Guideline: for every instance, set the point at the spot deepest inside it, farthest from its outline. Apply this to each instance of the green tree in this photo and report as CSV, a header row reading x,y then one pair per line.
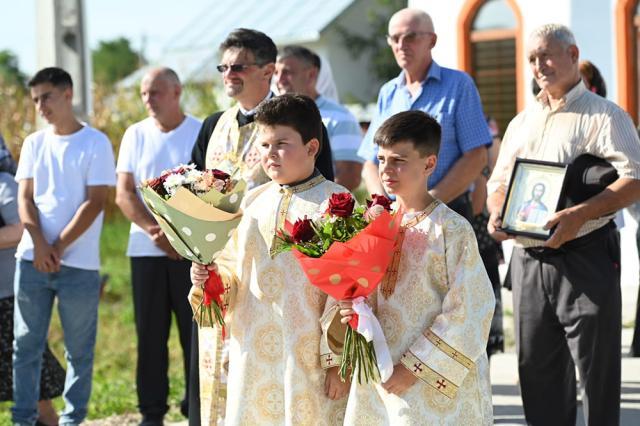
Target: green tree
x,y
199,98
375,44
18,115
9,70
114,60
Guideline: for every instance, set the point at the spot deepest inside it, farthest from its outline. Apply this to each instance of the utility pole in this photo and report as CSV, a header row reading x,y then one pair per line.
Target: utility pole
x,y
61,42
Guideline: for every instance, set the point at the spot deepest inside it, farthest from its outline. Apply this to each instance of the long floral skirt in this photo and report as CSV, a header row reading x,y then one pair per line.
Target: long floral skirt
x,y
53,375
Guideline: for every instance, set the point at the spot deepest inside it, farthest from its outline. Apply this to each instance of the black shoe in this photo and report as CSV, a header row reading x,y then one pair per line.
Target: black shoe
x,y
184,408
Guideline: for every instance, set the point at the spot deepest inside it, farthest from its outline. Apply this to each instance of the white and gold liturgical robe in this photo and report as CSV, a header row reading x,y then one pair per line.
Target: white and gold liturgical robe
x,y
274,377
231,148
436,320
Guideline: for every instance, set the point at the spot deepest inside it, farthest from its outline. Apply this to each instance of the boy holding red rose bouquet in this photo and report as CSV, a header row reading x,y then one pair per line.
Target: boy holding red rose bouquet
x,y
435,302
273,313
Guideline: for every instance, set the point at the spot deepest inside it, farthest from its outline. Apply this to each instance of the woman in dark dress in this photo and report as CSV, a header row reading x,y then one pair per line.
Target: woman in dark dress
x,y
53,375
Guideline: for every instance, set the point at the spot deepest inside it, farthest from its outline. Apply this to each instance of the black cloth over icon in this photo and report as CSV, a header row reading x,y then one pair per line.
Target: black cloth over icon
x,y
586,176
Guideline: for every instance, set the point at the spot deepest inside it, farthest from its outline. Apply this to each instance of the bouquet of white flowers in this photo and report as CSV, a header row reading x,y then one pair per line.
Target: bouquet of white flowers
x,y
198,211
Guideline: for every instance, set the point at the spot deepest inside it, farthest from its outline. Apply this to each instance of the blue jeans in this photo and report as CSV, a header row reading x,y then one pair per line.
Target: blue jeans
x,y
77,291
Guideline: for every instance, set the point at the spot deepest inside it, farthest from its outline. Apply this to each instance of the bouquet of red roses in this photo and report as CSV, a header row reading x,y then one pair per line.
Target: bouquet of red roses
x,y
345,253
198,211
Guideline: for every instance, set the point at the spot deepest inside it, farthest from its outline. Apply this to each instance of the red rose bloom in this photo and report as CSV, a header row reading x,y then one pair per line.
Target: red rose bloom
x,y
157,185
219,174
341,204
379,200
302,231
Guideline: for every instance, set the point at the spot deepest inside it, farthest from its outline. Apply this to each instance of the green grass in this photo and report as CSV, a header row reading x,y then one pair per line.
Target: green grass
x,y
114,390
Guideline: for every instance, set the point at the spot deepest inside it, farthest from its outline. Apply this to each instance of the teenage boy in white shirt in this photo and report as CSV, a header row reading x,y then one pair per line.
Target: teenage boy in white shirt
x,y
63,178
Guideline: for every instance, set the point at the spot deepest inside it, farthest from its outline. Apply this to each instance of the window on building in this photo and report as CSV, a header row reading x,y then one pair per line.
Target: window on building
x,y
493,60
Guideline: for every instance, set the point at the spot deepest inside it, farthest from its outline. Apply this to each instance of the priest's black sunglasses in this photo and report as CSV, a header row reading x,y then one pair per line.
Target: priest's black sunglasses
x,y
222,68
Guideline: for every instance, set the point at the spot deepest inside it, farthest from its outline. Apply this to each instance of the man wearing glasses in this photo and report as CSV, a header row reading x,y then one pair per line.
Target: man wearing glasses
x,y
448,95
226,142
226,138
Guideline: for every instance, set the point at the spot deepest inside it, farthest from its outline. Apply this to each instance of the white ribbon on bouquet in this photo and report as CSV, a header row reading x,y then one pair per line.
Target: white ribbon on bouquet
x,y
370,328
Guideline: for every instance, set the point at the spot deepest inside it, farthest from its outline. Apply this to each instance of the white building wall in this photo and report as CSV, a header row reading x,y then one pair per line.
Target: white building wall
x,y
593,24
592,21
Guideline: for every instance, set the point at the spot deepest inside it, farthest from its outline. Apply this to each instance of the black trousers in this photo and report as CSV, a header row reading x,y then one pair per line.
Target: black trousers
x,y
160,287
462,206
567,308
635,343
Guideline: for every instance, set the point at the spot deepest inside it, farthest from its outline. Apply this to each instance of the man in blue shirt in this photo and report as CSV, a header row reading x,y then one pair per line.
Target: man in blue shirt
x,y
448,95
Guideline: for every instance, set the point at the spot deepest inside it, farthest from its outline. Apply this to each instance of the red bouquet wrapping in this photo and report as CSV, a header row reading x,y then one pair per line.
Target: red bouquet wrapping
x,y
345,253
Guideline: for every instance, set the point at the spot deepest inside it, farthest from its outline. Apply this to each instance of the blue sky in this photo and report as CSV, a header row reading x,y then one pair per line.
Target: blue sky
x,y
144,22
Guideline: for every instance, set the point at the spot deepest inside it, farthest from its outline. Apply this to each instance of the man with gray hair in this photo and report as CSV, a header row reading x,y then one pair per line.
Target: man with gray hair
x,y
297,70
450,96
159,276
566,290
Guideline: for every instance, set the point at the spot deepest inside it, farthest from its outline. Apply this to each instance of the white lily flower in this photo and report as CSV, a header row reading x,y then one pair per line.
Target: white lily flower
x,y
192,176
173,182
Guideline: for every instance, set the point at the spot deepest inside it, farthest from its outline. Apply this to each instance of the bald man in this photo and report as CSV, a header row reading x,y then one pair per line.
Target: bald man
x,y
448,95
159,276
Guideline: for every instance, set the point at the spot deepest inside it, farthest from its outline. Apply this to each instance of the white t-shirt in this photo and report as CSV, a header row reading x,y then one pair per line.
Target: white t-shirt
x,y
61,168
145,152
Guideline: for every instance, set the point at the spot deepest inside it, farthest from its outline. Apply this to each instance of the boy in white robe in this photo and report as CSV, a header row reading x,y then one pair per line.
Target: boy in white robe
x,y
435,303
273,315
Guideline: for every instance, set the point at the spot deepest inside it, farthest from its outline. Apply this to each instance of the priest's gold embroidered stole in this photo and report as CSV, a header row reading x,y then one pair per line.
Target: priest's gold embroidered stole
x,y
230,149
